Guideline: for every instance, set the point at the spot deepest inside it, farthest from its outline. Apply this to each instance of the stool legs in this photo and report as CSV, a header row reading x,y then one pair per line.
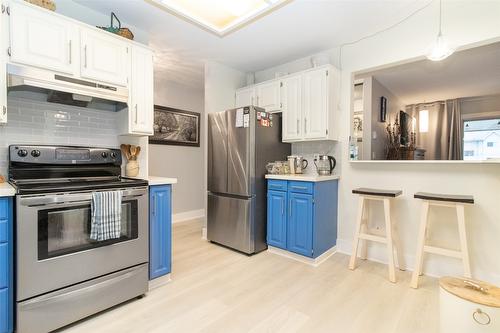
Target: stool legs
x,y
359,221
463,240
390,242
462,254
361,236
420,245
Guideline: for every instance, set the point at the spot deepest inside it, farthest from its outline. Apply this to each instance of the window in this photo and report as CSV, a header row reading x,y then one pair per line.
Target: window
x,y
481,139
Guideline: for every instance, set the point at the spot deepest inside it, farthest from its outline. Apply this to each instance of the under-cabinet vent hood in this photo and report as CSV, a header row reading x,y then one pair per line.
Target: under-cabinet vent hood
x,y
65,89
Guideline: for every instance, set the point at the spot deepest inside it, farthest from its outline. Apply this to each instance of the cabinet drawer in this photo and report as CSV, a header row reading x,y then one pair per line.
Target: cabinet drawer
x,y
277,185
4,208
300,187
4,265
4,231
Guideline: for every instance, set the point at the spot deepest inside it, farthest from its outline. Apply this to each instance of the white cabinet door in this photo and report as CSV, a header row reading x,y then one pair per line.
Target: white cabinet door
x,y
244,97
3,74
104,57
315,104
41,39
291,97
268,96
141,103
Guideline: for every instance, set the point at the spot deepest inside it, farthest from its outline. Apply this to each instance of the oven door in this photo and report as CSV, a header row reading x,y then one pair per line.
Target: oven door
x,y
54,249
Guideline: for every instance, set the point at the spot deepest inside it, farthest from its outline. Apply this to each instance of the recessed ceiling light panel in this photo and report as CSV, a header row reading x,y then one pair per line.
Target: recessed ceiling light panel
x,y
220,16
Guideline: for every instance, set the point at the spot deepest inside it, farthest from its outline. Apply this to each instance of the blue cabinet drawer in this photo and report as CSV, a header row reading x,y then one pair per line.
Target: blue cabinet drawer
x,y
4,231
4,208
4,310
301,187
277,185
4,265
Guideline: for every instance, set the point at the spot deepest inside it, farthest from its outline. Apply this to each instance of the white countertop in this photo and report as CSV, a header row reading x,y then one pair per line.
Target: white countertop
x,y
6,190
304,177
156,180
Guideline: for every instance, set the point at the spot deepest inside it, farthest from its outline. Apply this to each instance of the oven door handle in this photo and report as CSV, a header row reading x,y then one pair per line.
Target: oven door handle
x,y
44,200
73,294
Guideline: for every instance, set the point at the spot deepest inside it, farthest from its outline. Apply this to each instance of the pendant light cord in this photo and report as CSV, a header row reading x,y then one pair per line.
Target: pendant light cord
x,y
440,16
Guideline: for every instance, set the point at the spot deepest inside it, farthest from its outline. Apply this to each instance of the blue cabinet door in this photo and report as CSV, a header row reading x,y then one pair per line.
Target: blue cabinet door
x,y
300,223
6,266
160,230
276,219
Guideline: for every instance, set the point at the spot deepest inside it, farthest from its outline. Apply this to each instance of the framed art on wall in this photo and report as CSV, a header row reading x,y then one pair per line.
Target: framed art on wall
x,y
175,127
383,109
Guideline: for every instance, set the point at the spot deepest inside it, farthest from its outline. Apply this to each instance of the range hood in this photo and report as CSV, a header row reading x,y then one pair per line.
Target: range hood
x,y
65,89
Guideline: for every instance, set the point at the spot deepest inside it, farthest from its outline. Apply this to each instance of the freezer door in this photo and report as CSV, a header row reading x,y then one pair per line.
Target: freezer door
x,y
217,152
230,222
240,148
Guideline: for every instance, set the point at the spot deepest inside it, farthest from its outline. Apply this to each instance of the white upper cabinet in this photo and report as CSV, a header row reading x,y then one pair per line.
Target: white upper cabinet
x,y
268,95
3,69
291,97
40,39
309,105
245,97
315,104
141,105
104,57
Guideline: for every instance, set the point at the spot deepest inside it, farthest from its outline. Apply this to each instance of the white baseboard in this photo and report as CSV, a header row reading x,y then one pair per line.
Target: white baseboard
x,y
189,215
158,282
204,233
315,262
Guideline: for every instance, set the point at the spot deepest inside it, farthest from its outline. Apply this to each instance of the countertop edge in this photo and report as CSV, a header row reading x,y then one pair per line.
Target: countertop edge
x,y
6,190
304,178
157,180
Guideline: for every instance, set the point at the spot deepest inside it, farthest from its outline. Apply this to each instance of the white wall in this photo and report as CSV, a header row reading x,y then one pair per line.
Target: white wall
x,y
464,22
181,162
221,83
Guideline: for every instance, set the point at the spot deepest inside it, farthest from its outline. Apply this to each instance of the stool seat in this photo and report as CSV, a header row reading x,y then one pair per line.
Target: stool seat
x,y
468,199
377,192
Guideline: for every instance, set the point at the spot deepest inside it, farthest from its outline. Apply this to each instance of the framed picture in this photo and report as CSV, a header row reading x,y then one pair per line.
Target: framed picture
x,y
175,127
383,109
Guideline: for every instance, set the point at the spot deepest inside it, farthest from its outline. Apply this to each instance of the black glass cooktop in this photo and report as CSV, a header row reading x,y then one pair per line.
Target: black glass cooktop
x,y
51,186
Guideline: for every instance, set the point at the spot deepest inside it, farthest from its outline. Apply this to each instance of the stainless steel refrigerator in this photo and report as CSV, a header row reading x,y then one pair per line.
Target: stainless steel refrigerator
x,y
240,144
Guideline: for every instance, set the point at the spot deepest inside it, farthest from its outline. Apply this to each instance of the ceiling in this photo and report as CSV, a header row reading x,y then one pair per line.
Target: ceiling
x,y
298,29
468,73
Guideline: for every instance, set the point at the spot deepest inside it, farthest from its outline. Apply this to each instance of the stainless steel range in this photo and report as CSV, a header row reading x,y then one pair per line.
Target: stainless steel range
x,y
63,275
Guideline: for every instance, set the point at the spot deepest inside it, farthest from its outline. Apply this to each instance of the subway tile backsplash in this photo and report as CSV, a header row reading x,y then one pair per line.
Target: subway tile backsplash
x,y
38,122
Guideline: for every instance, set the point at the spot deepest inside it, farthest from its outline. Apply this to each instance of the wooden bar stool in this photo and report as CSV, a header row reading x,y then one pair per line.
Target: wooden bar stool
x,y
457,202
364,234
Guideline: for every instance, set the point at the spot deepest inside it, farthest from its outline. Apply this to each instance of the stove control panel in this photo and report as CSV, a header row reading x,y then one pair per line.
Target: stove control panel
x,y
63,155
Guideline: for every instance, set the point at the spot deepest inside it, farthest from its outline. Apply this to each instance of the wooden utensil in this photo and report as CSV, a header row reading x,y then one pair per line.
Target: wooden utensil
x,y
126,150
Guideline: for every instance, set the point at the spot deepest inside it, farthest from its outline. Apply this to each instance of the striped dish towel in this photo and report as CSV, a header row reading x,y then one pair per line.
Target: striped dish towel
x,y
106,208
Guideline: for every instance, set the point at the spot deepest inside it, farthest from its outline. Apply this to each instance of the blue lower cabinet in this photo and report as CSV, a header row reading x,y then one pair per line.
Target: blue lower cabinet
x,y
276,212
160,230
6,266
300,223
309,226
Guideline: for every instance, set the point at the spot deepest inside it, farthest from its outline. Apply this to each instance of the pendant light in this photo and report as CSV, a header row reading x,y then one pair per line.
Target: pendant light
x,y
440,49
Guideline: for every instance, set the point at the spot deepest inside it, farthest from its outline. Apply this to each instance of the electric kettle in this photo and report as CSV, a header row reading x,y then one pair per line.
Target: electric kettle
x,y
325,164
297,164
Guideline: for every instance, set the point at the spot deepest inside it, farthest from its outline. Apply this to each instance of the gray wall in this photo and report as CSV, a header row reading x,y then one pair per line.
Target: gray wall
x,y
394,105
184,163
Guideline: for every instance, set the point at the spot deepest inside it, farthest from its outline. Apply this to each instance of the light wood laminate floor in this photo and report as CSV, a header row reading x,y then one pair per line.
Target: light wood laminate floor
x,y
214,289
